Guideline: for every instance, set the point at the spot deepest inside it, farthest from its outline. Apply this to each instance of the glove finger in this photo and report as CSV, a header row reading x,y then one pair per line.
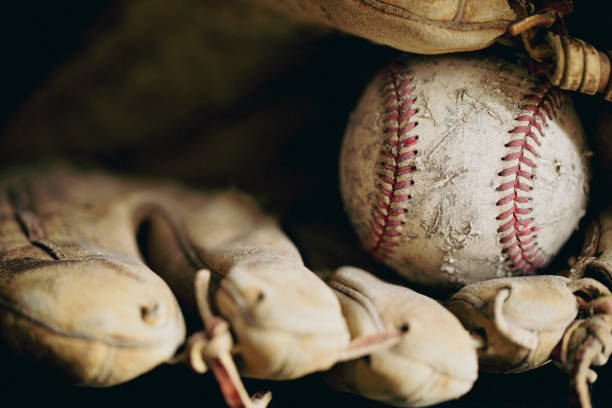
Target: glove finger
x,y
435,359
73,289
286,321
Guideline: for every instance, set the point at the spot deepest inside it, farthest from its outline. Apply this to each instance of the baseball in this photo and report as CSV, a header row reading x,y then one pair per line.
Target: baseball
x,y
456,169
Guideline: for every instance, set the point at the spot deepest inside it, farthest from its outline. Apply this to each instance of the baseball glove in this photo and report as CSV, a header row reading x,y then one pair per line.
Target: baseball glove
x,y
84,255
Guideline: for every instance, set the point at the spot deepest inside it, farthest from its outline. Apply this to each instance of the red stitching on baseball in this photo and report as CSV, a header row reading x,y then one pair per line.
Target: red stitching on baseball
x,y
397,149
522,252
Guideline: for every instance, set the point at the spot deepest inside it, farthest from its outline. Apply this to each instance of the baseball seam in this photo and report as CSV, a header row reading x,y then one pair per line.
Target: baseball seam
x,y
519,239
398,150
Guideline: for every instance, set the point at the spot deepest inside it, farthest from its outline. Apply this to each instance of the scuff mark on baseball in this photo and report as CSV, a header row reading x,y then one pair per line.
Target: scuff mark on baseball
x,y
479,173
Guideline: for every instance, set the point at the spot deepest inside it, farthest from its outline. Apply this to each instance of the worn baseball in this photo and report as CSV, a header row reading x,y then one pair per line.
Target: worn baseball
x,y
456,169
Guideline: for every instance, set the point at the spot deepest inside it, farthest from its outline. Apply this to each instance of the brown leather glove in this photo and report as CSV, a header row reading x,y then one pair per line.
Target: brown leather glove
x,y
76,288
434,359
81,268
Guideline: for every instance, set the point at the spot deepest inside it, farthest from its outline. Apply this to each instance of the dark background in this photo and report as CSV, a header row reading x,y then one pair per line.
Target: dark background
x,y
36,36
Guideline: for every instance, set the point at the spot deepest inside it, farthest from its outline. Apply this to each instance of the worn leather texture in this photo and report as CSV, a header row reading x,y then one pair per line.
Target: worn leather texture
x,y
77,289
520,319
74,290
418,26
434,361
